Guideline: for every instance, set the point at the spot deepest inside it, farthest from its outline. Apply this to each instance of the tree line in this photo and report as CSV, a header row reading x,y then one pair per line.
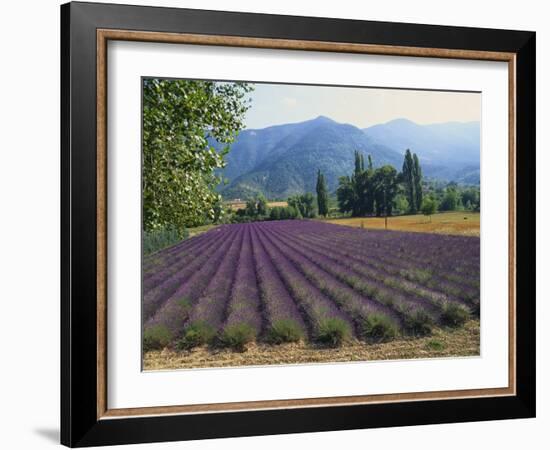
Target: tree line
x,y
301,206
369,191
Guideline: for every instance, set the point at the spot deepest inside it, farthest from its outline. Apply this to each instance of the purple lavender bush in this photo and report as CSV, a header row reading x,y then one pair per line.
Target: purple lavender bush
x,y
304,280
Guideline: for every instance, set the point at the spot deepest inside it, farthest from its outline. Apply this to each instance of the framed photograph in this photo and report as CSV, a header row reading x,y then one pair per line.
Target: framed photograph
x,y
276,224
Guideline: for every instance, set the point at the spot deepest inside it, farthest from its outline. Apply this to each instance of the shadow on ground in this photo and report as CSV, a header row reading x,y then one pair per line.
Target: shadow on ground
x,y
50,434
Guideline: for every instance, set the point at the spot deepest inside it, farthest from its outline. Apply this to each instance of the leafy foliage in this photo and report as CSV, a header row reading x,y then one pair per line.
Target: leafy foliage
x,y
256,209
452,196
304,204
450,200
429,206
356,193
347,195
275,213
284,213
179,119
368,190
261,206
385,182
412,181
470,198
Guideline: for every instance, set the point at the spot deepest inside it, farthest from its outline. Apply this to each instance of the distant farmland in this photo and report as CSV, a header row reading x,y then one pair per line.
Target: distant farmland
x,y
319,284
462,223
238,204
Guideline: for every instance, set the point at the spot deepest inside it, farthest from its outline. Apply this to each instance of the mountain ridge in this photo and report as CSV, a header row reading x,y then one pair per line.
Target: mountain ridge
x,y
283,160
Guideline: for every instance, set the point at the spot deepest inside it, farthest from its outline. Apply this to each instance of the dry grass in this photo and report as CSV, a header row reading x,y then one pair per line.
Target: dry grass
x,y
195,231
443,343
459,223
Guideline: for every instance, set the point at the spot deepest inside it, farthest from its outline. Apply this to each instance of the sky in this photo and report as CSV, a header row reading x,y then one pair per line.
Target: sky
x,y
274,104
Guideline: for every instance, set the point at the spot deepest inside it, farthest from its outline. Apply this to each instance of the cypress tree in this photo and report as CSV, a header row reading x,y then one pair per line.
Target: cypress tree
x,y
357,163
322,195
417,182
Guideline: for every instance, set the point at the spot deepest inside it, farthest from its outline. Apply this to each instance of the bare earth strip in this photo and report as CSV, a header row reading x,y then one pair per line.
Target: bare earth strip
x,y
442,343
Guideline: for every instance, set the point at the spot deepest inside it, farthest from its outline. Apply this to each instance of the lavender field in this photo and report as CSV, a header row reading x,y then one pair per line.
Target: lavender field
x,y
301,280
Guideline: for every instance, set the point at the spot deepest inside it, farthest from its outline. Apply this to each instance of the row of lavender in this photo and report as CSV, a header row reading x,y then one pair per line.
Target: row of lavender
x,y
285,281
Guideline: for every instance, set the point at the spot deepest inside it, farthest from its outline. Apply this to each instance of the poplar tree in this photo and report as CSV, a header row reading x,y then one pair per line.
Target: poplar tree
x,y
409,181
180,120
356,193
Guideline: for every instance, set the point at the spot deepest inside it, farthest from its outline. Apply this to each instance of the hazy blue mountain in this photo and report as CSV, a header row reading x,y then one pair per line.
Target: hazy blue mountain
x,y
288,165
252,146
283,160
439,144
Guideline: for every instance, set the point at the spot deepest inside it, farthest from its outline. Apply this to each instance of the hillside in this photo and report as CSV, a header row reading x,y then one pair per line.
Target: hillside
x,y
283,160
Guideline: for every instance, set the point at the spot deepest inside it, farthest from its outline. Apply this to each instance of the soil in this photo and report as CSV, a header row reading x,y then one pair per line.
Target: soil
x,y
443,342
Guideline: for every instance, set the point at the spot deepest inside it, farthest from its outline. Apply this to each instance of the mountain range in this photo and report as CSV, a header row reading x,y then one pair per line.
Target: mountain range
x,y
283,160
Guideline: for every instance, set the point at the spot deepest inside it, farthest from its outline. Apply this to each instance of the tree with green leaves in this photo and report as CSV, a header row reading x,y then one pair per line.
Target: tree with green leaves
x,y
429,207
322,194
345,194
409,184
401,203
386,183
411,178
261,205
275,213
356,193
304,205
180,120
470,198
450,199
250,208
366,189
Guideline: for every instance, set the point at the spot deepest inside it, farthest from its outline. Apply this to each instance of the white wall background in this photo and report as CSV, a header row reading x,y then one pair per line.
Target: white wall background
x,y
29,224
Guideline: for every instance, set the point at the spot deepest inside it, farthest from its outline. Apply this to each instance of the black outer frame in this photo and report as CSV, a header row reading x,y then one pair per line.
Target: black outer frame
x,y
79,423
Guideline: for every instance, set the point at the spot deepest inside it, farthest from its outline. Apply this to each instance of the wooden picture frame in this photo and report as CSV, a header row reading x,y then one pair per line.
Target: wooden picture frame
x,y
86,418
